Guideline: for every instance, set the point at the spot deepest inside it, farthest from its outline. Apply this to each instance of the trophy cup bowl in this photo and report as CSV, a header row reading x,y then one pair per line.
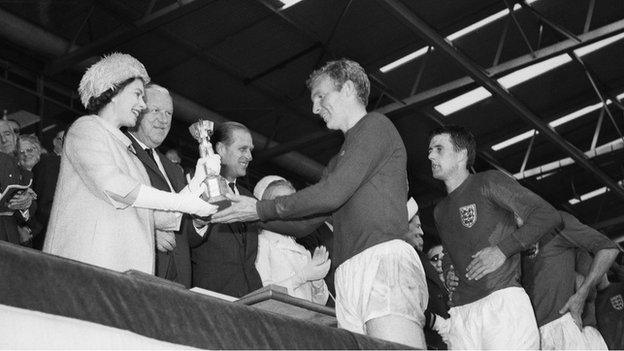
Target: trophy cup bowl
x,y
216,185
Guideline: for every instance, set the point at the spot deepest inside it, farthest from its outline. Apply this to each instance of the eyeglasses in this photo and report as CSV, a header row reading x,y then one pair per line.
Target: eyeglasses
x,y
435,258
28,150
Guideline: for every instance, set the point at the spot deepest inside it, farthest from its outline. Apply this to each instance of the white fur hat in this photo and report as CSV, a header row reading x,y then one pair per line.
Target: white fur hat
x,y
263,184
107,72
412,208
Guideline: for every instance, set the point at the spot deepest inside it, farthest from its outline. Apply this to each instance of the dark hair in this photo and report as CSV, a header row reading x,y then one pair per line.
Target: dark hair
x,y
224,132
340,72
461,139
97,103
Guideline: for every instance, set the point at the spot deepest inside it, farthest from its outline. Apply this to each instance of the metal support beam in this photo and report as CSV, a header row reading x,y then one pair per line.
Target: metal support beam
x,y
327,45
150,22
528,153
38,40
421,71
283,63
598,128
7,68
495,71
82,25
501,43
566,33
594,83
522,33
480,75
590,13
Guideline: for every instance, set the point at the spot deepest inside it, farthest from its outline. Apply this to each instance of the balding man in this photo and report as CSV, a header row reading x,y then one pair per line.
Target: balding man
x,y
172,249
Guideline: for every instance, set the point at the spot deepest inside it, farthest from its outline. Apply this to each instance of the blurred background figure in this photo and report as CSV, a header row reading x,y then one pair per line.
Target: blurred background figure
x,y
282,261
57,142
174,156
435,255
45,176
14,213
15,126
437,305
29,151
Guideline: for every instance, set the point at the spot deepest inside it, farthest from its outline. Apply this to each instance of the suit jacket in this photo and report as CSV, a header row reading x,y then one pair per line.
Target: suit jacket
x,y
224,259
45,176
174,265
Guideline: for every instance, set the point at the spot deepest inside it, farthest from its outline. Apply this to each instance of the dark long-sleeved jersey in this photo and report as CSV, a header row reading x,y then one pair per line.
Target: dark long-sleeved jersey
x,y
364,188
480,213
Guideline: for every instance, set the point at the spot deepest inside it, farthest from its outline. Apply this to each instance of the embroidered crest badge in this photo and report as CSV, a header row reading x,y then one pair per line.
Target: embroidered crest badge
x,y
617,302
468,215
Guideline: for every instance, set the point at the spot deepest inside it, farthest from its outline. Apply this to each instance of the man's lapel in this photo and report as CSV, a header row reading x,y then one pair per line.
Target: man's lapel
x,y
144,158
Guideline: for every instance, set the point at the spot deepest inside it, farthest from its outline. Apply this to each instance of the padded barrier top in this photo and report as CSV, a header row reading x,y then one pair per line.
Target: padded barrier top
x,y
155,308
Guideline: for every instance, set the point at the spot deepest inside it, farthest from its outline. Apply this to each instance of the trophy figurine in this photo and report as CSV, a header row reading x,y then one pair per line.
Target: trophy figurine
x,y
216,186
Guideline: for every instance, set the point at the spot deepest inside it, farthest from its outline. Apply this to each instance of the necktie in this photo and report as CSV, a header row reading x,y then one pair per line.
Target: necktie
x,y
240,227
150,154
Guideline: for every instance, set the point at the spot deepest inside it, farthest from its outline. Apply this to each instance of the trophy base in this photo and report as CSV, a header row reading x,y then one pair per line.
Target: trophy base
x,y
220,201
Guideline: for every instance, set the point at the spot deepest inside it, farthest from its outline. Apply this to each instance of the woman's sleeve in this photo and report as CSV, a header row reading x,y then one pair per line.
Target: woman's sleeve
x,y
88,149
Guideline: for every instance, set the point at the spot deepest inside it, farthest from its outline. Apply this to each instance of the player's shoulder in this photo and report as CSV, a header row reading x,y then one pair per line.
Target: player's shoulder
x,y
493,176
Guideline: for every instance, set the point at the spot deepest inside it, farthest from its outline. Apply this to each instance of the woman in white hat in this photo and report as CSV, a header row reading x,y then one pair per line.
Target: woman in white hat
x,y
103,210
282,261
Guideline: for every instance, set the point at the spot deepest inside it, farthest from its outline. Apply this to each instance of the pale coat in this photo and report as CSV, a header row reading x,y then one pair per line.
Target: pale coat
x,y
86,223
279,260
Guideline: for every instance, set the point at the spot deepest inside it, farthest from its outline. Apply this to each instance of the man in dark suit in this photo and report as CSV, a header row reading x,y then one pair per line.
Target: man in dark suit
x,y
223,259
45,176
173,254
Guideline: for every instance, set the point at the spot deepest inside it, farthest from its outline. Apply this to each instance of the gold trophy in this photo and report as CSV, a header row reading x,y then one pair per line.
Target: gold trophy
x,y
216,185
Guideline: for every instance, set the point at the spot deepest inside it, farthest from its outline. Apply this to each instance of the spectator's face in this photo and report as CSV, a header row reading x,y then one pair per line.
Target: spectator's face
x,y
156,120
415,233
328,102
28,154
435,255
445,161
173,156
235,157
15,126
8,139
58,142
129,103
